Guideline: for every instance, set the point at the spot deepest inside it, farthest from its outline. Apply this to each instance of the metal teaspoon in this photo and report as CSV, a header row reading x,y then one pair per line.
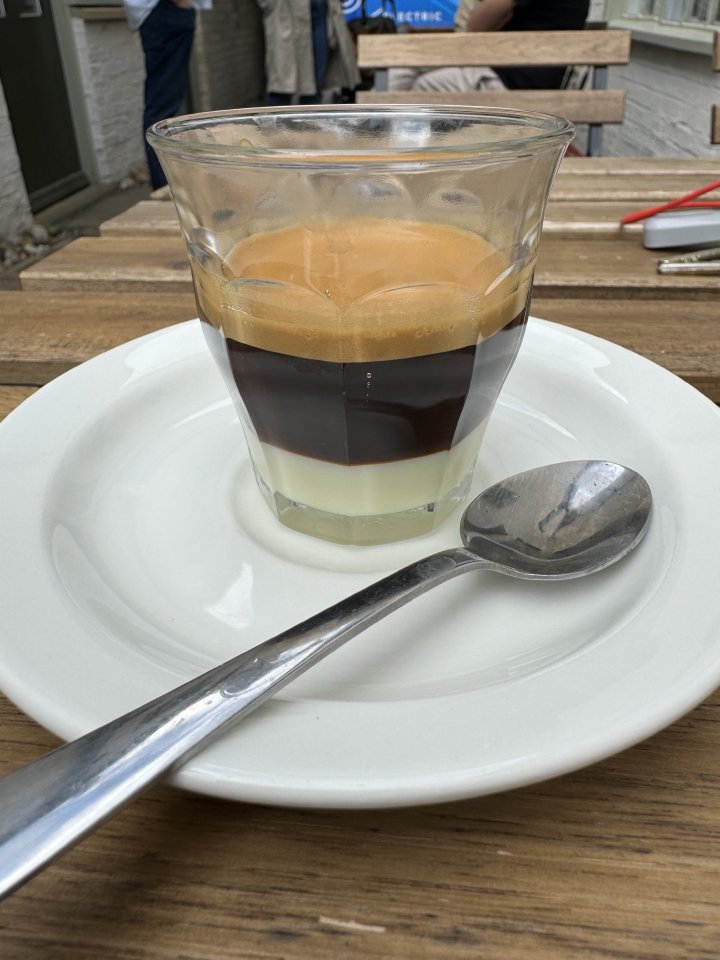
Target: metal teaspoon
x,y
556,522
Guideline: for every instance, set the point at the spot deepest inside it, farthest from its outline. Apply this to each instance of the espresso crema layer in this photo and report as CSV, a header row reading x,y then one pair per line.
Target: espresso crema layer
x,y
363,289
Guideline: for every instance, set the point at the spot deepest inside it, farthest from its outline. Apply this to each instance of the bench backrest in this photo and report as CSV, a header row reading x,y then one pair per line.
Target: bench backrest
x,y
596,49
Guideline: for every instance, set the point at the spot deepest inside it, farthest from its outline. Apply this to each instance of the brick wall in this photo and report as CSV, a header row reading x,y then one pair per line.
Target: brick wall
x,y
669,95
14,204
228,61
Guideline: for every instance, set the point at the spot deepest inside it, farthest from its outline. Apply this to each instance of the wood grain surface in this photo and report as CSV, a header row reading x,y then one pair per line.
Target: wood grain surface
x,y
611,268
586,267
682,336
11,397
540,47
581,217
43,335
580,106
616,862
113,264
588,220
148,216
605,197
620,861
638,190
59,336
595,167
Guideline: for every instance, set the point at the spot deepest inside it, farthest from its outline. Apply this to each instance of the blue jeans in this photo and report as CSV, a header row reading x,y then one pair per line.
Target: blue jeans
x,y
166,36
321,56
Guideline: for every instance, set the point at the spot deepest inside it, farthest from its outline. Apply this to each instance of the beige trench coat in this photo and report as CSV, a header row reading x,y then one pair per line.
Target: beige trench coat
x,y
288,48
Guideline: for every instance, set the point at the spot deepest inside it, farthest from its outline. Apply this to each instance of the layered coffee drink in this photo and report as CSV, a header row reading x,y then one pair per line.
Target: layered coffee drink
x,y
366,355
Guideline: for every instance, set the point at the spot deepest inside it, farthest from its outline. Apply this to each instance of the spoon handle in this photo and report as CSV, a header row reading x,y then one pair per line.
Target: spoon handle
x,y
50,804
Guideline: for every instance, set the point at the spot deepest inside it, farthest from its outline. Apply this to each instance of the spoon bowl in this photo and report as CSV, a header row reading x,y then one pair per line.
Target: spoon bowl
x,y
556,522
576,520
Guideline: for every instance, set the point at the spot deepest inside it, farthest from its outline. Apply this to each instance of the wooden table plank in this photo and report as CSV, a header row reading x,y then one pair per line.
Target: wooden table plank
x,y
44,334
704,168
586,267
682,337
635,190
587,219
616,862
128,264
11,397
41,340
602,200
147,216
611,268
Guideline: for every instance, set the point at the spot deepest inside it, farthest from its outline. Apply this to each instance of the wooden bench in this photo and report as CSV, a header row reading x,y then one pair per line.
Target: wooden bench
x,y
593,48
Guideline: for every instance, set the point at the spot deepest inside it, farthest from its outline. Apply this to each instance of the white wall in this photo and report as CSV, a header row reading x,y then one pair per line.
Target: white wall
x,y
111,67
669,95
228,68
15,213
227,71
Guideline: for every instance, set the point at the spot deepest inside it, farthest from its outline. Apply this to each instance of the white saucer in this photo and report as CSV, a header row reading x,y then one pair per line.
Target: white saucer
x,y
137,552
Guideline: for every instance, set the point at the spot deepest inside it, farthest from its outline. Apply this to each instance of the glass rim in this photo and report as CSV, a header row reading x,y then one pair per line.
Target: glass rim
x,y
166,136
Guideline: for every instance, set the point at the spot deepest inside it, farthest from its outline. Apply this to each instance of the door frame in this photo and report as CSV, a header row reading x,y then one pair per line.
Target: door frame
x,y
75,88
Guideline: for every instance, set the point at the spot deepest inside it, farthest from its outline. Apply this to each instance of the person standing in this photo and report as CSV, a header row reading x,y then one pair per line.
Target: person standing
x,y
167,29
308,49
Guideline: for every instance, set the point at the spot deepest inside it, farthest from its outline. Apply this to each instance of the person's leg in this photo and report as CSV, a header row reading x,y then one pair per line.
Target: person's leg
x,y
278,99
320,41
166,36
321,48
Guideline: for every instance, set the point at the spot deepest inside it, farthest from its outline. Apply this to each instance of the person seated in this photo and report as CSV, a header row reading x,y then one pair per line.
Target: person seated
x,y
488,16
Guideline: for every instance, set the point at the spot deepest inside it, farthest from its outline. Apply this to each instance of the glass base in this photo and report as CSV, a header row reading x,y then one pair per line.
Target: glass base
x,y
366,530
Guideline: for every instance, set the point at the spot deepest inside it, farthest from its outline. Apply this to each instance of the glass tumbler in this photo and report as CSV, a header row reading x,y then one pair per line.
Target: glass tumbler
x,y
363,276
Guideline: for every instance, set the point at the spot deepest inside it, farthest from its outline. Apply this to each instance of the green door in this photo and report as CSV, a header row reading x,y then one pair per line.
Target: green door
x,y
34,85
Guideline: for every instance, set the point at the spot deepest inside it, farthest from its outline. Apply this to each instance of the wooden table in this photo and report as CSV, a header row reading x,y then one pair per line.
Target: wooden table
x,y
620,861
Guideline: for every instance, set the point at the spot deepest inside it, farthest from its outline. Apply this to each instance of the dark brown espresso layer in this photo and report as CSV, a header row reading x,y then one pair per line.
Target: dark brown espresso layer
x,y
375,411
